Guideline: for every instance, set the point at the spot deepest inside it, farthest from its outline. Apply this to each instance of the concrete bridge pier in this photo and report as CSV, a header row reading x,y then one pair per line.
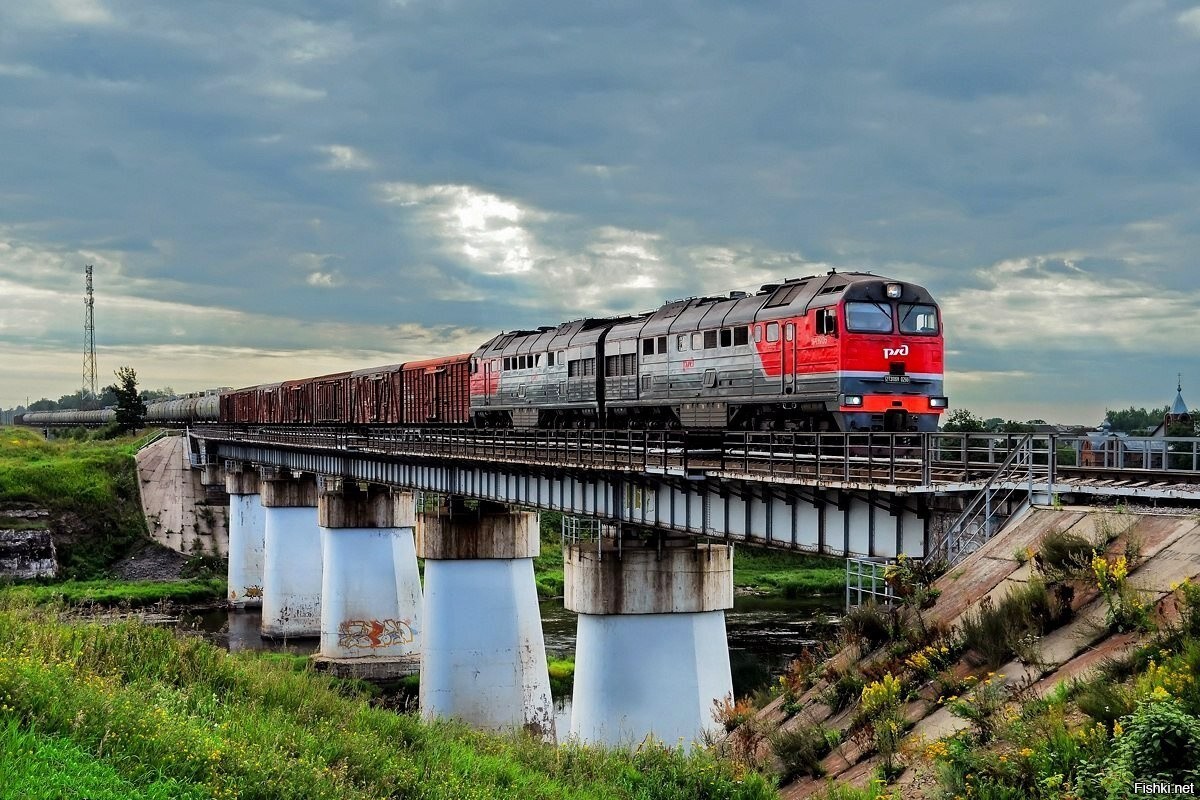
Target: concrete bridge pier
x,y
651,654
291,604
484,657
370,586
247,536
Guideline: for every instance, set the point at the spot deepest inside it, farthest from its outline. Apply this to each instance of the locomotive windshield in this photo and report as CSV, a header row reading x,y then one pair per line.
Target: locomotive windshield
x,y
918,318
868,317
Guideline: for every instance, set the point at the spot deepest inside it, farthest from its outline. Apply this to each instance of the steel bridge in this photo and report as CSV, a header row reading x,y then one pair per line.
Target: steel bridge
x,y
872,495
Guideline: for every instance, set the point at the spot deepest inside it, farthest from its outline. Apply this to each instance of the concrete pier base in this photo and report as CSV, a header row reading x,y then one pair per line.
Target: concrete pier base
x,y
651,655
291,603
484,656
370,589
247,539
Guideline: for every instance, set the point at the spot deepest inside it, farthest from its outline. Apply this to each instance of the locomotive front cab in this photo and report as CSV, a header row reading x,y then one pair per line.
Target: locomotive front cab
x,y
892,355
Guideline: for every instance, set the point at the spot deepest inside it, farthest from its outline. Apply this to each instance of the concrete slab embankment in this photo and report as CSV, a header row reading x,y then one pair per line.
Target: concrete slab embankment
x,y
1168,548
175,502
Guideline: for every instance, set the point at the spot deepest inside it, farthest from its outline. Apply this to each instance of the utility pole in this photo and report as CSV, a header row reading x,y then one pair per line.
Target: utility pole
x,y
89,339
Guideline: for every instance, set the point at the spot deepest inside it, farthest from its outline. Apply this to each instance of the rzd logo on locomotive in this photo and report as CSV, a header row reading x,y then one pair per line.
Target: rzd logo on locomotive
x,y
890,352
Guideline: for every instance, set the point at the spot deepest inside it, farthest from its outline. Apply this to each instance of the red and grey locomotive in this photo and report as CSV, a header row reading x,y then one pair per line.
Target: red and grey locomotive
x,y
841,351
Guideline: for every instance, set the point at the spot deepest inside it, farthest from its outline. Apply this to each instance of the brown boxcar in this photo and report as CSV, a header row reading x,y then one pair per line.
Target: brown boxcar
x,y
296,402
331,399
376,395
438,391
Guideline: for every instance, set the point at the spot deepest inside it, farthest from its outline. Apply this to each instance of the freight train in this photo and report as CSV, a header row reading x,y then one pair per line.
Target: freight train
x,y
842,351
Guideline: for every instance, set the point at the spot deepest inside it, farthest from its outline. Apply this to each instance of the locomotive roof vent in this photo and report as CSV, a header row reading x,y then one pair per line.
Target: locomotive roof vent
x,y
738,295
768,287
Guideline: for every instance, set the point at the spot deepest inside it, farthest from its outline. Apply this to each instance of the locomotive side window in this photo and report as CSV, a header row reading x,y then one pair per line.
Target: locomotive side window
x,y
772,331
662,345
789,332
681,343
758,333
726,337
710,340
741,335
918,318
869,317
549,359
647,347
826,321
697,341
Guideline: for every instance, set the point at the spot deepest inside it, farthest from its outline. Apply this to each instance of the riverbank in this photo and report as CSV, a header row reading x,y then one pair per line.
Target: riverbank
x,y
88,490
140,712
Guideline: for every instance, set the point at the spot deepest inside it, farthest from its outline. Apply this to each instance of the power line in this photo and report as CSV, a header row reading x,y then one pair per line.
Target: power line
x,y
89,337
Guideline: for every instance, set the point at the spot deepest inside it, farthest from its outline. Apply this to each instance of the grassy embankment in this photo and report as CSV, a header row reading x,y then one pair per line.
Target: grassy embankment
x,y
91,483
126,710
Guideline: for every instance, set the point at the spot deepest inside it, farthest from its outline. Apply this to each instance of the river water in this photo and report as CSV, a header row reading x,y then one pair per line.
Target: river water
x,y
764,635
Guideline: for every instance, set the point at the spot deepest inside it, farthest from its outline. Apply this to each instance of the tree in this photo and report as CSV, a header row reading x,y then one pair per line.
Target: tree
x,y
1137,421
961,420
130,408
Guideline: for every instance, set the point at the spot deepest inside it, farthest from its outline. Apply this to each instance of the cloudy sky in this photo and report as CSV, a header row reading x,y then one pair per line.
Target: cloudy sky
x,y
275,189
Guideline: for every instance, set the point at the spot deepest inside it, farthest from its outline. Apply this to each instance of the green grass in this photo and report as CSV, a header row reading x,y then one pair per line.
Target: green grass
x,y
548,566
39,767
154,710
562,676
111,593
94,480
787,574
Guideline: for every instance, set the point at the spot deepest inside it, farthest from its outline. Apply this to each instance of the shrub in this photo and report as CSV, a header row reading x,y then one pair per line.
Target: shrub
x,y
1105,702
880,707
731,714
995,633
1126,611
1064,556
1160,742
843,691
874,625
800,751
979,706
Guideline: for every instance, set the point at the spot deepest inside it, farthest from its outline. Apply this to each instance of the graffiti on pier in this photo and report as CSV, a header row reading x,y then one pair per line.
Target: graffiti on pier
x,y
375,633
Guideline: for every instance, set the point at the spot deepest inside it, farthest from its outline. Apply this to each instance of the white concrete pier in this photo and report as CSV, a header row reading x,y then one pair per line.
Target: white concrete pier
x,y
291,603
247,538
651,655
370,586
484,656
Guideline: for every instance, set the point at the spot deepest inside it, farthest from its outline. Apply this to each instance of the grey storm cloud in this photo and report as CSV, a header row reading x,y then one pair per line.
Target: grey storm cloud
x,y
397,177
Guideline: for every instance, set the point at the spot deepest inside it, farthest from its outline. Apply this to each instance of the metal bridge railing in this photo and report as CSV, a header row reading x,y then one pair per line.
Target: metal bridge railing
x,y
866,582
929,459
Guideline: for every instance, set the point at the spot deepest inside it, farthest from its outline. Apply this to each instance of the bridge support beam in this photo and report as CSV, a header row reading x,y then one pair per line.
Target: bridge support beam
x,y
370,587
651,654
291,605
483,659
247,538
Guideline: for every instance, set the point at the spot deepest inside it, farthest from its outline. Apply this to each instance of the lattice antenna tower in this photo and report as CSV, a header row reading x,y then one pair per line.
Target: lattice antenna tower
x,y
89,335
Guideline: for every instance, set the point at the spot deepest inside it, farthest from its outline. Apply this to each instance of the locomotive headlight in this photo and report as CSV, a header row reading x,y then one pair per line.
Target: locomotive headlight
x,y
939,402
852,400
893,291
